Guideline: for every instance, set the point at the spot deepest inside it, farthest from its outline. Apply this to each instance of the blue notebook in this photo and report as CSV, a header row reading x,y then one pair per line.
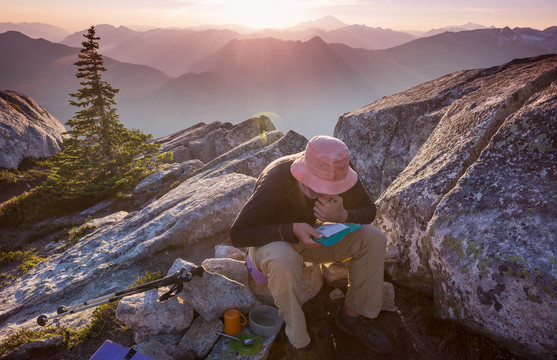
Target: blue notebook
x,y
332,233
112,351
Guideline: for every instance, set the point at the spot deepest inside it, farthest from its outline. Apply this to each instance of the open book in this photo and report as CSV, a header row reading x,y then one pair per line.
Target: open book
x,y
334,232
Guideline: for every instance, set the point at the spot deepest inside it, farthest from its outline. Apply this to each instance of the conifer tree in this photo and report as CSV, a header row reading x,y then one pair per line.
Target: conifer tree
x,y
100,156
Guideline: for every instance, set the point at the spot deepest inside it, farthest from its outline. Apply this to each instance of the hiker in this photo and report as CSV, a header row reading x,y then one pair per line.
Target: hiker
x,y
294,194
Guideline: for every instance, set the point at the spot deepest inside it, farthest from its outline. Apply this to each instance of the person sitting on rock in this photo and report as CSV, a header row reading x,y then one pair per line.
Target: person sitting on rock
x,y
292,195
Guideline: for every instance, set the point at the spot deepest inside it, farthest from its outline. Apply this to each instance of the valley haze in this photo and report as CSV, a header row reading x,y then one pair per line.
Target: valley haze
x,y
303,77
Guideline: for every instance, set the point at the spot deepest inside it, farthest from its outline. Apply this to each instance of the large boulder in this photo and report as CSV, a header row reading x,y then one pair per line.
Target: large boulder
x,y
207,141
166,176
26,130
493,237
251,157
215,149
466,174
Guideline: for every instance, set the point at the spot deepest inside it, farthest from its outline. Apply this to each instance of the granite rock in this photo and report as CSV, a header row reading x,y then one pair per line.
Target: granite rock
x,y
26,130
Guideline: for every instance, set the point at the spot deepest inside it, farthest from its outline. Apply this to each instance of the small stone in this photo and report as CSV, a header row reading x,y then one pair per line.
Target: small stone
x,y
230,252
232,269
336,274
312,282
388,297
336,294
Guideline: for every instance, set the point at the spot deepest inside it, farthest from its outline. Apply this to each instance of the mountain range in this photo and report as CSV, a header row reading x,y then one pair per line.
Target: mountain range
x,y
183,46
466,27
36,30
224,75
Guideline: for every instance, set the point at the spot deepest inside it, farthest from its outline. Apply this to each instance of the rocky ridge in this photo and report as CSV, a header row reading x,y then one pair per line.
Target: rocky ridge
x,y
26,129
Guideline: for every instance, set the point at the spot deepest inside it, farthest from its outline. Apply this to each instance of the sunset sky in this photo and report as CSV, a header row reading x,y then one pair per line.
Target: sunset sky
x,y
404,15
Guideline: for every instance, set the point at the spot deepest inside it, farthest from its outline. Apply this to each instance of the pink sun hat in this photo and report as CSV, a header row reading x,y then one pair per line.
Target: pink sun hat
x,y
325,166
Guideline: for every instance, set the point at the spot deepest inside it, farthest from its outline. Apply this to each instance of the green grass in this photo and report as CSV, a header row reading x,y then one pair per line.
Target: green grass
x,y
37,205
18,263
9,257
30,262
28,170
8,177
15,107
148,277
102,316
41,203
103,319
57,230
72,235
24,336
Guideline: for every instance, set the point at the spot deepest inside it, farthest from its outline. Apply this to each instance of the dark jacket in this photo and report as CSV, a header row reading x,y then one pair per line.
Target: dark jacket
x,y
277,203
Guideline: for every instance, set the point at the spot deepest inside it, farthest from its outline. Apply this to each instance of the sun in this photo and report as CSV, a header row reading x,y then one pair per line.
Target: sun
x,y
264,13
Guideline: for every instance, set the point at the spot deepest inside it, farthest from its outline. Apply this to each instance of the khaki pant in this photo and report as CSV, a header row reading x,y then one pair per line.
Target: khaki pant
x,y
282,263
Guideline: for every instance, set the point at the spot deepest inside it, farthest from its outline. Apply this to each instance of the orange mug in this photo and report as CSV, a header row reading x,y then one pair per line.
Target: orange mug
x,y
233,321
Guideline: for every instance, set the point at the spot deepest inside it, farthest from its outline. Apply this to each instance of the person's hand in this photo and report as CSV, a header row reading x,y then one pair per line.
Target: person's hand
x,y
330,208
305,233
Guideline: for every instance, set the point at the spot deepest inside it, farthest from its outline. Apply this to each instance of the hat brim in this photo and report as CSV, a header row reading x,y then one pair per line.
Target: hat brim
x,y
300,173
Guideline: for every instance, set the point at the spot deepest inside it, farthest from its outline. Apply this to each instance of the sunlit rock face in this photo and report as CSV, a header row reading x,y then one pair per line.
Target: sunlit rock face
x,y
26,130
186,217
464,169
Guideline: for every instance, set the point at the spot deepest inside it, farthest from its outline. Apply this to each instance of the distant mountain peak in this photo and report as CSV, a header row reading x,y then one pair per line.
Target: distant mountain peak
x,y
325,23
316,40
36,30
107,32
466,27
472,25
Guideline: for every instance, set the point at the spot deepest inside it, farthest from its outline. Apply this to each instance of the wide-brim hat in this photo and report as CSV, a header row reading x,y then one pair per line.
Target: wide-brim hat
x,y
325,166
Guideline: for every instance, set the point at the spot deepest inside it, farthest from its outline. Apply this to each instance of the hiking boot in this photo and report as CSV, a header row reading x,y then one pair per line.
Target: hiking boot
x,y
372,337
304,353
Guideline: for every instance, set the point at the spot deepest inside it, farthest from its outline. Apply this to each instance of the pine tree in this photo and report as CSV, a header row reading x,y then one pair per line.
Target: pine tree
x,y
100,156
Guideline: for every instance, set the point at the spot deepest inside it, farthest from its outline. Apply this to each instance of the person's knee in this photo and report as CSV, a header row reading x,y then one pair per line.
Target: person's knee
x,y
287,263
283,261
373,237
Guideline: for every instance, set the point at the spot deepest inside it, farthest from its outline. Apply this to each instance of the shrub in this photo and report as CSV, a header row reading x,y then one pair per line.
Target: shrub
x,y
7,177
24,336
15,107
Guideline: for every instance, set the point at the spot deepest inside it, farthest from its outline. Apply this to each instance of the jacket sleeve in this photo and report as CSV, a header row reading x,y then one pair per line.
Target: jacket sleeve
x,y
254,225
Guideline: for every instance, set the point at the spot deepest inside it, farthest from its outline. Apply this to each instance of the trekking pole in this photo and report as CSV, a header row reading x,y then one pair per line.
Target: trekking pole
x,y
177,281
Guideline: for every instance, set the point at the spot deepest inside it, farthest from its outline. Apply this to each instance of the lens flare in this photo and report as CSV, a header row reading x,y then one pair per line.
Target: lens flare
x,y
274,117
